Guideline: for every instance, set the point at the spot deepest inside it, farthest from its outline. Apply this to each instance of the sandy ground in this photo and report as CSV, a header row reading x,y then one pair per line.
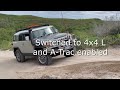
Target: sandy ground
x,y
76,67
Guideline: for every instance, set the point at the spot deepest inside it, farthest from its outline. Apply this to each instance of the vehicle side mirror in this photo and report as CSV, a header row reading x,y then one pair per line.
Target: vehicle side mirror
x,y
27,38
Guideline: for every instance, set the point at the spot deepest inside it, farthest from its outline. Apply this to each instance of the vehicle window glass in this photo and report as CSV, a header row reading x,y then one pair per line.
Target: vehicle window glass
x,y
27,34
44,32
54,30
39,33
21,37
14,38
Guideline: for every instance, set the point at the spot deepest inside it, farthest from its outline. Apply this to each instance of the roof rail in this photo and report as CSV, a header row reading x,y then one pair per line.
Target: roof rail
x,y
31,27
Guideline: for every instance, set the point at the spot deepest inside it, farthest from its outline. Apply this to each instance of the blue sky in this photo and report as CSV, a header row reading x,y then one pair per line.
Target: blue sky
x,y
66,14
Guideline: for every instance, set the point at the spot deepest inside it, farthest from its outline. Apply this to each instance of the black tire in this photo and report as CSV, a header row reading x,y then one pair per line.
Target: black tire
x,y
19,56
44,59
70,54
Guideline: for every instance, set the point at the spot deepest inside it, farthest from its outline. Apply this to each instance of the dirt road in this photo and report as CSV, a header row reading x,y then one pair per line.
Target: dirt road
x,y
72,67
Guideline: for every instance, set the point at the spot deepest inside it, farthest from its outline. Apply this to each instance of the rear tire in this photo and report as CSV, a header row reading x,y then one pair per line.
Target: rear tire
x,y
19,56
44,59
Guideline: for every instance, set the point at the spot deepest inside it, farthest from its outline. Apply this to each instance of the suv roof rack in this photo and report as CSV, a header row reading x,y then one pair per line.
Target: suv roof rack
x,y
31,27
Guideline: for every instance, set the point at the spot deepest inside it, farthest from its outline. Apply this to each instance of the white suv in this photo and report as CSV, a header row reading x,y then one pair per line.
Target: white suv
x,y
24,43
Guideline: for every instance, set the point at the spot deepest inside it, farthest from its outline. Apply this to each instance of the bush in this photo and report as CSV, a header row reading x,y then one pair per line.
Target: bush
x,y
109,27
4,45
10,23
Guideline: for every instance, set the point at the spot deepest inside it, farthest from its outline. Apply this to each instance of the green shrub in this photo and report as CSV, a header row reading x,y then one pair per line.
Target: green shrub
x,y
82,28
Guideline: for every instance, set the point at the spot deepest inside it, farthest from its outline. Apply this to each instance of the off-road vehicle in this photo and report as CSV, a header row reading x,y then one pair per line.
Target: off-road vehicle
x,y
24,43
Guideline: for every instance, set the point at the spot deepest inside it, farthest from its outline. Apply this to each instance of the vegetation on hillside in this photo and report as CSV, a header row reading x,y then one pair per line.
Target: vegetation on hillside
x,y
82,28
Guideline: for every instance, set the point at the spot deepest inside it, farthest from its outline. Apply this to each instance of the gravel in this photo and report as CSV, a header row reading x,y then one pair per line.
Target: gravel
x,y
77,67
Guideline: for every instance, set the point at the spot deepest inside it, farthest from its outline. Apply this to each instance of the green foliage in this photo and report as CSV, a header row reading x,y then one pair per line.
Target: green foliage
x,y
82,28
112,39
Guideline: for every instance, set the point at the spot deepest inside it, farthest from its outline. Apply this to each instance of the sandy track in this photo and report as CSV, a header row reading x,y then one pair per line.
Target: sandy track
x,y
72,67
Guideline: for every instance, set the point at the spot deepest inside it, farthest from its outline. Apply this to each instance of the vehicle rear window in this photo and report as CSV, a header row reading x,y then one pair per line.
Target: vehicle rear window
x,y
15,38
21,37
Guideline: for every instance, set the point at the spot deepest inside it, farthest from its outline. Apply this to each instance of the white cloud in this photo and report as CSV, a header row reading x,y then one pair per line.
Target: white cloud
x,y
66,14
